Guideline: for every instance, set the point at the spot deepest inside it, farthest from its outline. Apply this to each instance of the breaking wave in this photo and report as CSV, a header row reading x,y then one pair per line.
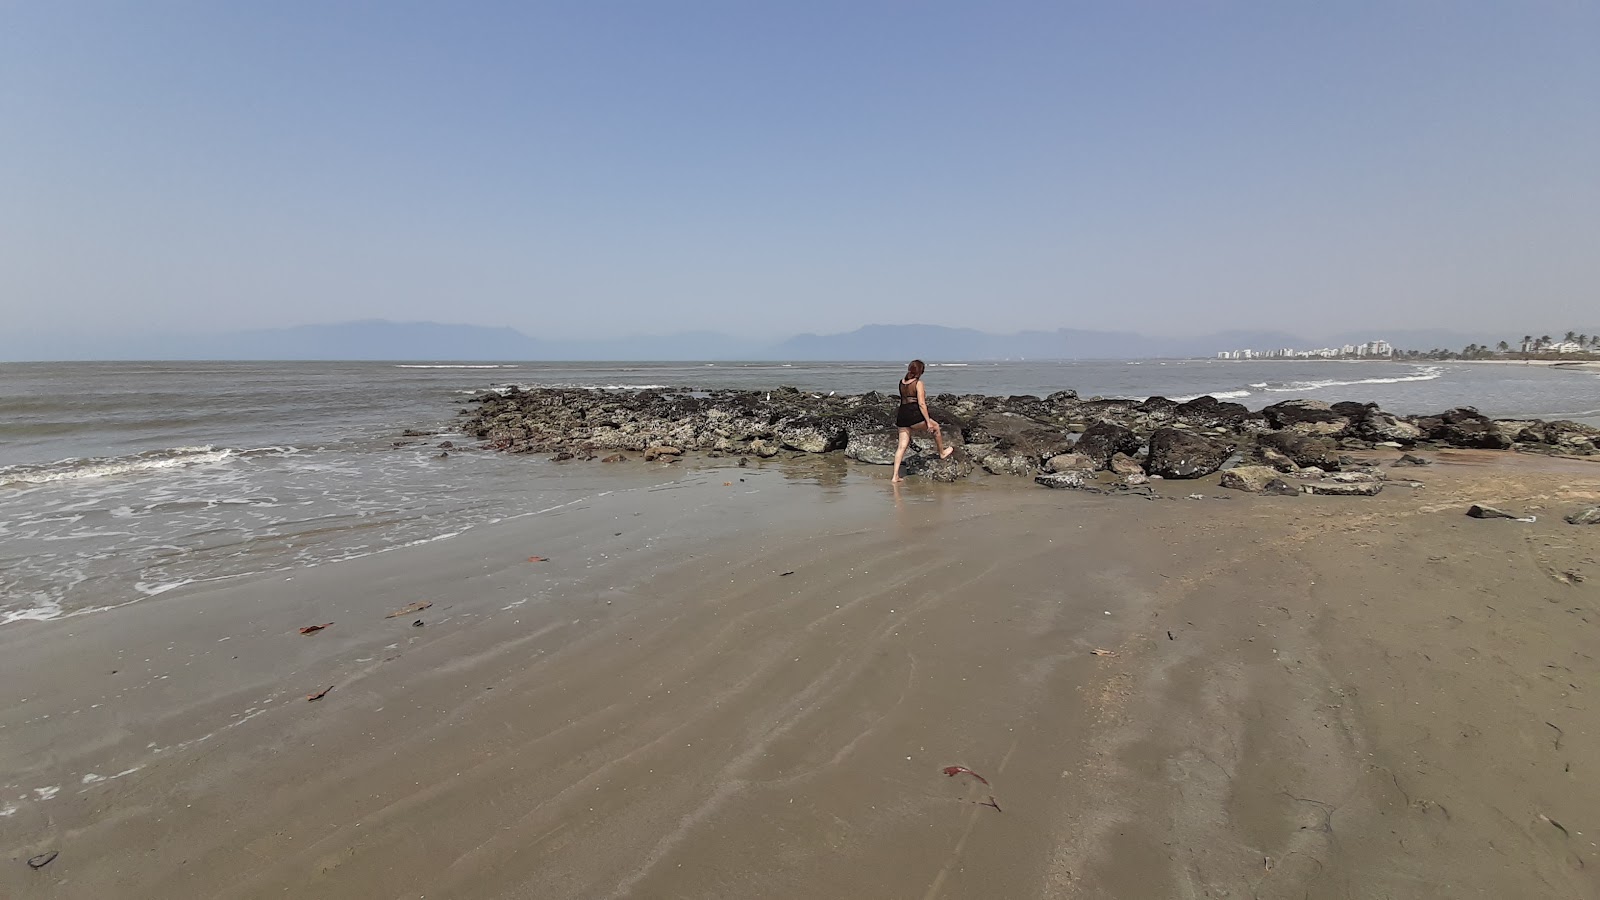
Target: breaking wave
x,y
1424,373
104,467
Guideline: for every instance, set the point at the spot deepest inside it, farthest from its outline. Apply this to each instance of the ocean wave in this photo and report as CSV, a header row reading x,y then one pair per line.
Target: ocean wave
x,y
431,366
1426,373
1219,395
577,386
102,467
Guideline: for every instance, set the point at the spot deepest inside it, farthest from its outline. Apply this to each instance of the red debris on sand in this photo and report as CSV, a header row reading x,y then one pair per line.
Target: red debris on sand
x,y
953,771
408,609
320,694
538,559
313,629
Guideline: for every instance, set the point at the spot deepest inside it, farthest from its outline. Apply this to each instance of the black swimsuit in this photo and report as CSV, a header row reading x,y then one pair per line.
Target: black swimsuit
x,y
910,410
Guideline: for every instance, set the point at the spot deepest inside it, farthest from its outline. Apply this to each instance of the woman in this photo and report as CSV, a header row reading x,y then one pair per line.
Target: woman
x,y
913,415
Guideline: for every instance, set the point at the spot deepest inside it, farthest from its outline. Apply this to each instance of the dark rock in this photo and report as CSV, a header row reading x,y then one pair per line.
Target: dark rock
x,y
1304,450
1281,488
43,859
814,435
950,469
877,447
1177,454
1409,460
1590,516
1306,416
1102,440
1063,480
1479,511
997,463
447,445
1464,427
651,454
615,458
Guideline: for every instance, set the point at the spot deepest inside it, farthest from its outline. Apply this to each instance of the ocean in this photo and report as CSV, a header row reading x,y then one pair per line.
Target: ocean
x,y
122,481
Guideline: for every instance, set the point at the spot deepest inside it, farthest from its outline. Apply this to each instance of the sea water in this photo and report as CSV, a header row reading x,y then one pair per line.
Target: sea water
x,y
122,481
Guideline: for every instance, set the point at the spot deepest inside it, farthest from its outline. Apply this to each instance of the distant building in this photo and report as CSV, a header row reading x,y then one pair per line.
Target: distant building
x,y
1348,351
1565,347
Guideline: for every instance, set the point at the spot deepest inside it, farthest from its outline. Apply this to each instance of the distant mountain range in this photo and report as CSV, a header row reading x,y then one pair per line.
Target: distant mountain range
x,y
383,340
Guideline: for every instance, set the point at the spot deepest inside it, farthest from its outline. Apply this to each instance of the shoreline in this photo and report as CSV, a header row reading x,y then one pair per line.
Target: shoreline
x,y
651,713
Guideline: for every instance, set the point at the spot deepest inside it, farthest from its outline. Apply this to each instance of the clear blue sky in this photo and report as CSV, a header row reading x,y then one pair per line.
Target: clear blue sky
x,y
591,168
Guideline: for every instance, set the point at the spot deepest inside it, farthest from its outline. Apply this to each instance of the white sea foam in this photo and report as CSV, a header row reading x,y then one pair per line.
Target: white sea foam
x,y
77,469
575,386
1426,373
421,366
1220,395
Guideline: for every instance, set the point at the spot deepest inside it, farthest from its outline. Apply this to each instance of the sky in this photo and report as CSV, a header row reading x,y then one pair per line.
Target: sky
x,y
591,169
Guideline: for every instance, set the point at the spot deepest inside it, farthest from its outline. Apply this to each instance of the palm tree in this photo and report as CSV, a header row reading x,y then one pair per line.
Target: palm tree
x,y
1572,337
1544,342
1502,346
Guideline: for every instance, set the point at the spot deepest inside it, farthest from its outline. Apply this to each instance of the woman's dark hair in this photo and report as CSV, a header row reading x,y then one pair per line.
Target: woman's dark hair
x,y
915,369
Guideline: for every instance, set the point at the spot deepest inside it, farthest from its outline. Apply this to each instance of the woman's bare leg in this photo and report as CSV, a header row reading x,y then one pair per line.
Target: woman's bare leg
x,y
938,442
900,452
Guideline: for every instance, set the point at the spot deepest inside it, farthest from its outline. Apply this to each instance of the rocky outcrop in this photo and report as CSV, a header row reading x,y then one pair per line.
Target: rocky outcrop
x,y
1306,417
1251,479
1179,454
1102,440
1465,427
1590,516
1061,434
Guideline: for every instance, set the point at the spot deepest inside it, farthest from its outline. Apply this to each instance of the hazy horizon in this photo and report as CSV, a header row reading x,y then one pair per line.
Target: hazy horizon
x,y
585,172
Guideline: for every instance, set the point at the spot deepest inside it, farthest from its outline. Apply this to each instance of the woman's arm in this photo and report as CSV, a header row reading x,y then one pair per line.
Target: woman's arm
x,y
922,401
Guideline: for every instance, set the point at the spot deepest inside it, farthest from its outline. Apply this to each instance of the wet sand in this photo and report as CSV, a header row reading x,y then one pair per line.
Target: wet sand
x,y
1309,697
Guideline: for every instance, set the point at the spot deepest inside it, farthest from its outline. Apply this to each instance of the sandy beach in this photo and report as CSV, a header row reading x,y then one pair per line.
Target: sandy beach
x,y
749,684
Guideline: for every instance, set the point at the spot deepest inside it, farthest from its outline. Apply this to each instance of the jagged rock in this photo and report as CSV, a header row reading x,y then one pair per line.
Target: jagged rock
x,y
953,468
1252,479
1009,464
1102,440
1123,464
1410,460
1480,511
651,454
1063,480
1277,459
615,458
1464,427
1071,462
1303,450
874,447
1590,516
1176,454
766,450
1306,417
1134,479
814,435
1339,489
1281,488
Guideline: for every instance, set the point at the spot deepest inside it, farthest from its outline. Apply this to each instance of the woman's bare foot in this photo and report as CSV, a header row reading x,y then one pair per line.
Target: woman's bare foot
x,y
947,452
896,480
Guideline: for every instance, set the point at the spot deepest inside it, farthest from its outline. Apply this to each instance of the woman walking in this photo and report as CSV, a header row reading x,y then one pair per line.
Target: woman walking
x,y
913,415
